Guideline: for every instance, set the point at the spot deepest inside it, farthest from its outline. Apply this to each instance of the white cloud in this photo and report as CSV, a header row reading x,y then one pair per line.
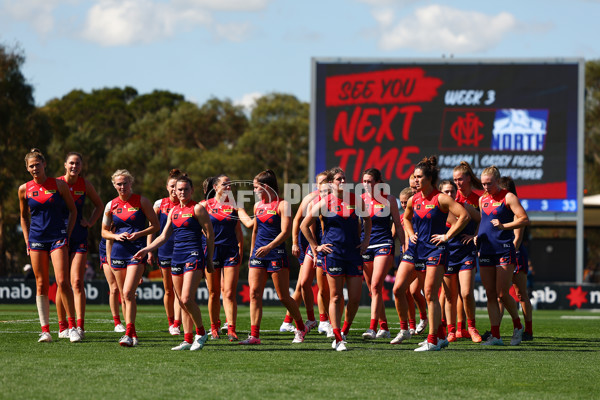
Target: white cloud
x,y
117,23
248,101
125,22
39,13
444,29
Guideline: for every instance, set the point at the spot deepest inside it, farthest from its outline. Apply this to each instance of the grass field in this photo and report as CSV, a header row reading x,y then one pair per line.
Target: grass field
x,y
563,361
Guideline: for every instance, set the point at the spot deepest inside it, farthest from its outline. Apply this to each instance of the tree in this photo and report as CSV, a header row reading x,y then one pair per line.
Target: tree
x,y
592,127
22,127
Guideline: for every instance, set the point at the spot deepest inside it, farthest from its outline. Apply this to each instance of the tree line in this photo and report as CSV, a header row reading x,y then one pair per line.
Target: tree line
x,y
148,134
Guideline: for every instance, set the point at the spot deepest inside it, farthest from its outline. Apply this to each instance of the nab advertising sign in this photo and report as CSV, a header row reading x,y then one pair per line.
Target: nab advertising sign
x,y
521,116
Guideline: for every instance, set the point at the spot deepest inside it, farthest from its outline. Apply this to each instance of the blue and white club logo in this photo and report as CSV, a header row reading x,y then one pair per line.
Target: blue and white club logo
x,y
520,130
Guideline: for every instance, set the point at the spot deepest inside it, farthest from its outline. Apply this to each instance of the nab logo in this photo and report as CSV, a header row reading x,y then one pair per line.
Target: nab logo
x,y
465,130
520,130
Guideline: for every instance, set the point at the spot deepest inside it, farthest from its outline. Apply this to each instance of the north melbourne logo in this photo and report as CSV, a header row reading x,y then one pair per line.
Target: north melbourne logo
x,y
520,130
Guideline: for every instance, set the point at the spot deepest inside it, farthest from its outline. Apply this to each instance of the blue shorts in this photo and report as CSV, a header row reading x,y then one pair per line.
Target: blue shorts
x,y
337,267
498,260
371,253
468,262
47,246
103,259
317,261
164,262
196,264
420,266
116,263
226,256
269,265
433,258
78,246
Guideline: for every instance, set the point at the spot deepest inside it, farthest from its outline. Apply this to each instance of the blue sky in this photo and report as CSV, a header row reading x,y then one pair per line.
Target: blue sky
x,y
239,49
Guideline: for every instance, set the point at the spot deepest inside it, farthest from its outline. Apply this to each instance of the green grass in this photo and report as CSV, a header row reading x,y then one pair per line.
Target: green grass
x,y
562,362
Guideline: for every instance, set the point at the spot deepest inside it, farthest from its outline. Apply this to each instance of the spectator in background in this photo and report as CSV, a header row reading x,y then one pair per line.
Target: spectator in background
x,y
28,271
90,272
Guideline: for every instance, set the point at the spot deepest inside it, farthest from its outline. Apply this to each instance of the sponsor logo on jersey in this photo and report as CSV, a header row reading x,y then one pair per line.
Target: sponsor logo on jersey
x,y
497,204
350,207
194,253
429,206
133,209
49,191
79,193
187,215
271,212
379,205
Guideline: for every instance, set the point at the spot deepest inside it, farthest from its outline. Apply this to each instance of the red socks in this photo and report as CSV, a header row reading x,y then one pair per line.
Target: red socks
x,y
62,325
176,323
373,324
300,325
412,324
338,334
323,317
46,328
529,327
403,325
451,328
441,333
80,324
71,322
200,331
117,320
471,323
460,326
171,320
288,319
432,339
496,331
255,331
383,325
130,330
517,323
188,337
346,328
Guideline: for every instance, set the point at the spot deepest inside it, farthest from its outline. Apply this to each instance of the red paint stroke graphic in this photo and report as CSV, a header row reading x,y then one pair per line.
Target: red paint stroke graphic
x,y
402,85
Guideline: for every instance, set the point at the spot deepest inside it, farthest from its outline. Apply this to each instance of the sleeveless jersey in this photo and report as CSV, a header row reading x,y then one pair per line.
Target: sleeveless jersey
x,y
492,239
46,207
164,206
187,233
458,250
127,217
381,221
342,227
78,193
302,241
428,219
268,223
224,219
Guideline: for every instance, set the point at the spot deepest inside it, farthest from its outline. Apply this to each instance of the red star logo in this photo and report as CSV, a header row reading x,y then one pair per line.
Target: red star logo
x,y
386,295
52,292
245,293
577,297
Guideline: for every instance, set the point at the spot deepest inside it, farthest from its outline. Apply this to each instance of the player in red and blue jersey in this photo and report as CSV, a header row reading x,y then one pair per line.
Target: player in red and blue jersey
x,y
425,224
466,253
341,250
188,222
80,189
42,201
378,259
501,213
228,250
272,227
308,266
114,298
162,208
519,279
414,295
128,215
